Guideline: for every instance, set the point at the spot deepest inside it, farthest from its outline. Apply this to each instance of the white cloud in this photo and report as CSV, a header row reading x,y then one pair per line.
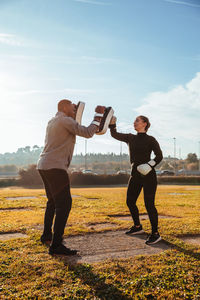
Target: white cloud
x,y
175,113
194,87
10,39
183,3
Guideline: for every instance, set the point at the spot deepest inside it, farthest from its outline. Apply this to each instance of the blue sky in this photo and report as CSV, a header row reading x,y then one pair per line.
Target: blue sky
x,y
138,56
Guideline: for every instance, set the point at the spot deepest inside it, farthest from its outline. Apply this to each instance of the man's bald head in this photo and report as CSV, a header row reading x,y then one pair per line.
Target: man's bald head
x,y
67,107
62,104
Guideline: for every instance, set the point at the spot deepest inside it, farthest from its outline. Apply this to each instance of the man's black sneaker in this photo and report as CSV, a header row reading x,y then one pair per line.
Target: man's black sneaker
x,y
135,230
46,240
153,239
62,250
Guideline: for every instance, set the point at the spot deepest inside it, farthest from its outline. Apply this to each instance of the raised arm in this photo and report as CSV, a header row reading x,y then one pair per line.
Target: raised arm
x,y
123,137
75,128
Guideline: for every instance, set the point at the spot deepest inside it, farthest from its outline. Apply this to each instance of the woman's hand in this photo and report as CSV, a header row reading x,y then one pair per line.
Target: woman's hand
x,y
113,121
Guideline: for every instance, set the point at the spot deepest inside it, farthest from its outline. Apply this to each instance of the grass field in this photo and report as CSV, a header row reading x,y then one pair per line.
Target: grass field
x,y
28,272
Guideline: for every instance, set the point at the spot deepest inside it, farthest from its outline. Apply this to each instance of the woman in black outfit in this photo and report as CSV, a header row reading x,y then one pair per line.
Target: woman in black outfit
x,y
143,174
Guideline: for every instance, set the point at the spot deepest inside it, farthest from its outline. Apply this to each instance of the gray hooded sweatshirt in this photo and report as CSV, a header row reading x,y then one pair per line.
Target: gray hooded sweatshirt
x,y
60,140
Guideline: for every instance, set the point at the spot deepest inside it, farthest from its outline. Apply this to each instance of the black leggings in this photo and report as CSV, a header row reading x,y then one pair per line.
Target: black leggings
x,y
56,182
149,185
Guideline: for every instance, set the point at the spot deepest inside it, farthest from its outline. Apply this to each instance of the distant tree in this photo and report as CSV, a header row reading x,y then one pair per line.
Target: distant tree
x,y
36,147
27,149
192,158
20,150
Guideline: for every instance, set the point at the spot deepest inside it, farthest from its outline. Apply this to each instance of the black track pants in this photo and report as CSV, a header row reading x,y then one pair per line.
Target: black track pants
x,y
149,185
56,182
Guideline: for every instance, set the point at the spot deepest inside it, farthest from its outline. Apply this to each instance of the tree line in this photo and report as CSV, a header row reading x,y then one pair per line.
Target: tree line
x,y
97,162
29,155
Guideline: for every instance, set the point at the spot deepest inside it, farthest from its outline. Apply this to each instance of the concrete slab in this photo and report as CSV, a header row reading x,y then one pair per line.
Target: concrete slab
x,y
193,239
10,236
110,245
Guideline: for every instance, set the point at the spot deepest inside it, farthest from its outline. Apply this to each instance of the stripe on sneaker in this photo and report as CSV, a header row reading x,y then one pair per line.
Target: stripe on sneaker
x,y
138,232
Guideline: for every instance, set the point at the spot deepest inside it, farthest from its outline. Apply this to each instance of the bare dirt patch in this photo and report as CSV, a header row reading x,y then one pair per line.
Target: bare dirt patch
x,y
110,245
15,209
142,217
10,236
41,226
193,239
194,188
101,225
38,227
177,194
75,196
21,198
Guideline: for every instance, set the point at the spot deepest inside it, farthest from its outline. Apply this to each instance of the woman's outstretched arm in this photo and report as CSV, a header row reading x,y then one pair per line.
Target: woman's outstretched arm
x,y
123,137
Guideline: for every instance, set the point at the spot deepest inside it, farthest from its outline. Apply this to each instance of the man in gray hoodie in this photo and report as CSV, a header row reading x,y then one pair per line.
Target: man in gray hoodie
x,y
53,164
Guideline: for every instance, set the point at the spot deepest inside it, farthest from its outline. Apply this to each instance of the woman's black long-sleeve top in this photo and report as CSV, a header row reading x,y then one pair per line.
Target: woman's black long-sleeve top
x,y
140,146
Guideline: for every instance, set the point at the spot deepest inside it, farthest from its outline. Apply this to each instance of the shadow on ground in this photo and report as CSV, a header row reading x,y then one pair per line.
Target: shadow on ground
x,y
101,289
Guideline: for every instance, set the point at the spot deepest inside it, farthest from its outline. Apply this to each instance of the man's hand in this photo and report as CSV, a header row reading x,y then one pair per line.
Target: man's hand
x,y
102,118
100,110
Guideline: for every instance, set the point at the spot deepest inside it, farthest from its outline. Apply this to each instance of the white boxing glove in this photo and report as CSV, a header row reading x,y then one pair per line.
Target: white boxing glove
x,y
144,169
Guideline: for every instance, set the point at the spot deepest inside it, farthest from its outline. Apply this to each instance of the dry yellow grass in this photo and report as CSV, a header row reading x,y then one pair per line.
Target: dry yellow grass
x,y
28,272
98,205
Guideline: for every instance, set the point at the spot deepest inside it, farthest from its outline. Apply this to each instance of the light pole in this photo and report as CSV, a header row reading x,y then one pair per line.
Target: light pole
x,y
174,154
120,155
85,154
199,156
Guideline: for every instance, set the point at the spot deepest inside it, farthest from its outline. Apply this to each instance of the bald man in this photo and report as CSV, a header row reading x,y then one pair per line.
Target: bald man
x,y
53,164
